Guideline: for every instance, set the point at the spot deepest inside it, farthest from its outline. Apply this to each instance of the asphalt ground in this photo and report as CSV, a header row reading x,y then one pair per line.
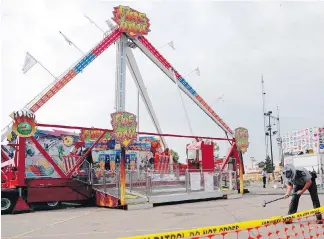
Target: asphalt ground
x,y
103,223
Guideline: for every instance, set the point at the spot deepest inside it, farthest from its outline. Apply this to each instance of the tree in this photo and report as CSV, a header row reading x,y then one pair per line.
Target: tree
x,y
261,164
175,156
268,165
216,150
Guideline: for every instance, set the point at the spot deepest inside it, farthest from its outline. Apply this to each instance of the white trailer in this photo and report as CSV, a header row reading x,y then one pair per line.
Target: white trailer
x,y
310,162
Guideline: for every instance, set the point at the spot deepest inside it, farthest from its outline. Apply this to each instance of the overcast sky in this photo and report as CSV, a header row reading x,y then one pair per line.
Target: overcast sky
x,y
233,44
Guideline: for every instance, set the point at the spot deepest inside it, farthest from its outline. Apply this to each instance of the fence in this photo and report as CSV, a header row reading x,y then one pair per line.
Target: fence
x,y
303,225
83,173
226,179
147,182
105,180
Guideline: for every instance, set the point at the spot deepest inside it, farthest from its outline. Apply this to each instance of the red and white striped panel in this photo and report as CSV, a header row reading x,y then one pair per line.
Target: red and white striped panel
x,y
70,162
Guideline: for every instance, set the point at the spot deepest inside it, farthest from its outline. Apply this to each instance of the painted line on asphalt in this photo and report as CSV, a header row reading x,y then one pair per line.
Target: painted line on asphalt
x,y
15,221
49,225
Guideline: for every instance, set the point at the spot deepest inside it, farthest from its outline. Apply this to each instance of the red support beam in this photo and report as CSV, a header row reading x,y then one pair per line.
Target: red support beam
x,y
142,133
21,161
71,127
236,154
48,158
16,156
4,176
185,136
78,163
229,154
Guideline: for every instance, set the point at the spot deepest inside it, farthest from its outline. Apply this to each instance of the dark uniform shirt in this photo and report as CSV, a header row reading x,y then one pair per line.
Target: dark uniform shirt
x,y
301,177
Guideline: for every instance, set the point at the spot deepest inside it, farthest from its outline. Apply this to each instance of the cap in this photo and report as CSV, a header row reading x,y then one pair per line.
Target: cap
x,y
289,171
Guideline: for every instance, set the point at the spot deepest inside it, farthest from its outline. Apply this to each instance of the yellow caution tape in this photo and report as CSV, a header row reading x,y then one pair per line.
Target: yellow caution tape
x,y
227,227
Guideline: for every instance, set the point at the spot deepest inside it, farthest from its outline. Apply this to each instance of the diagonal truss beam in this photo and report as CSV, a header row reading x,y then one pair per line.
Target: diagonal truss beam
x,y
58,84
78,68
150,51
134,70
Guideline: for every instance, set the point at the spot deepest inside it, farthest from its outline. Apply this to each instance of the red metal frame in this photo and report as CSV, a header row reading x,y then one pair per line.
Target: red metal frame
x,y
8,173
60,188
56,189
78,163
16,156
81,159
232,152
21,162
4,179
22,147
143,133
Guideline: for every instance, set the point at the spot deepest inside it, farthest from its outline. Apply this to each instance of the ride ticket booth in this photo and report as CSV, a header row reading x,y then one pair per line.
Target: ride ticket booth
x,y
200,155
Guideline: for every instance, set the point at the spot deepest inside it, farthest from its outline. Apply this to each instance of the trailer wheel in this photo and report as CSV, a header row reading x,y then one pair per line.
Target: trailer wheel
x,y
55,204
6,205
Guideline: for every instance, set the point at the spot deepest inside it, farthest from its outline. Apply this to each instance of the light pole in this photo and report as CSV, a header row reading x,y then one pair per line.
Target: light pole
x,y
270,133
279,139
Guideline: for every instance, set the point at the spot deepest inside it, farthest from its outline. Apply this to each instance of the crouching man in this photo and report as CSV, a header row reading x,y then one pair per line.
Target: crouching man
x,y
299,180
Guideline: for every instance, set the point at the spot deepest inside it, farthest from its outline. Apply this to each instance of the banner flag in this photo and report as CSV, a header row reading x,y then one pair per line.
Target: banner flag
x,y
30,61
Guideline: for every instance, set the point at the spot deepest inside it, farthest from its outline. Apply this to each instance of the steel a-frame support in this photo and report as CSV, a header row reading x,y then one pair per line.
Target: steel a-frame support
x,y
125,56
134,70
120,84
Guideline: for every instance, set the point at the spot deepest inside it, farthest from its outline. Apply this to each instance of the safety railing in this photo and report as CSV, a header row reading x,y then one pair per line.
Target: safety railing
x,y
299,225
174,180
138,181
147,182
226,180
105,180
83,173
166,181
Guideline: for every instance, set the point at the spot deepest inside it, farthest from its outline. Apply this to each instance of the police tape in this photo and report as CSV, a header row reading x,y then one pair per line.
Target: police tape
x,y
228,227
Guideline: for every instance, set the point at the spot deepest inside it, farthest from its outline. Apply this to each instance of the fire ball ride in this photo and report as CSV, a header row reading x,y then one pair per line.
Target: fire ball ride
x,y
48,164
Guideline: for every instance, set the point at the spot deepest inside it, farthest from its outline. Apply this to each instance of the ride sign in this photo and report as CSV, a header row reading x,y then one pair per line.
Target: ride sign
x,y
24,123
242,139
124,127
130,21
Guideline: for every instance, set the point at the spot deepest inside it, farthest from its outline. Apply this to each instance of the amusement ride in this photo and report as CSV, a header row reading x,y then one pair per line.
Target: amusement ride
x,y
117,153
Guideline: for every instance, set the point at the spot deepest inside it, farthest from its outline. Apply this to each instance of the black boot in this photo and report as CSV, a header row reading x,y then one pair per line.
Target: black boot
x,y
319,218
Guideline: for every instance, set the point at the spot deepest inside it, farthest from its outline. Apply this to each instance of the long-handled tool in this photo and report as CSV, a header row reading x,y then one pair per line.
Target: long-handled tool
x,y
267,202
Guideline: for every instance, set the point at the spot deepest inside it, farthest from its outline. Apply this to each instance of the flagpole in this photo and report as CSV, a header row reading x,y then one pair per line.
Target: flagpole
x,y
94,24
195,70
170,44
71,43
46,70
41,66
218,99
